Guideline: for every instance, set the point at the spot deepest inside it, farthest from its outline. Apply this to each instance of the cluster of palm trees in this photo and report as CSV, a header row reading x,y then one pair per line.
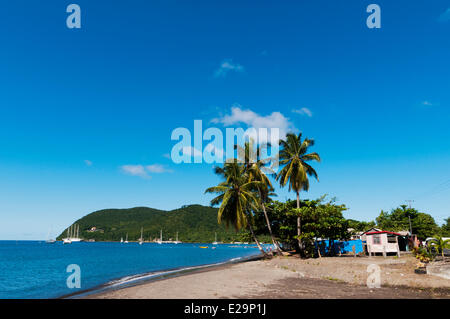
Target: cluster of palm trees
x,y
246,187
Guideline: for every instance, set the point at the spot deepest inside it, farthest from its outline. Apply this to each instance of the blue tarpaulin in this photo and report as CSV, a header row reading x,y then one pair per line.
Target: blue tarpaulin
x,y
338,246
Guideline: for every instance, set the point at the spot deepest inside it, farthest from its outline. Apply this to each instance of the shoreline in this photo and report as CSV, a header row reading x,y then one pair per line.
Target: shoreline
x,y
290,278
153,276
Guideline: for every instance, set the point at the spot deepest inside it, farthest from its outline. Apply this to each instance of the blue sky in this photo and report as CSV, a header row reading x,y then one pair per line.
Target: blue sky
x,y
76,106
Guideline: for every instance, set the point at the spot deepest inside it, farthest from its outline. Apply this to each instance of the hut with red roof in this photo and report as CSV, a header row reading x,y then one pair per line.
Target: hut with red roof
x,y
382,242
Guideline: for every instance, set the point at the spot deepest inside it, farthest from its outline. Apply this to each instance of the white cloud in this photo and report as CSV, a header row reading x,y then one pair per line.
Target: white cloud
x,y
157,168
444,17
254,120
88,162
192,151
303,111
227,66
142,171
135,170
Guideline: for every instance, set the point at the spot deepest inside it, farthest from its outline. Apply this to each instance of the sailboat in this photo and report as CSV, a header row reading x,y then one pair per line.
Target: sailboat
x,y
50,240
141,240
215,239
67,239
76,231
177,241
126,239
121,239
160,238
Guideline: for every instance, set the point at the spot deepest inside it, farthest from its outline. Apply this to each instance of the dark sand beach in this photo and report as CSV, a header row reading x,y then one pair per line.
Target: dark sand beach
x,y
291,277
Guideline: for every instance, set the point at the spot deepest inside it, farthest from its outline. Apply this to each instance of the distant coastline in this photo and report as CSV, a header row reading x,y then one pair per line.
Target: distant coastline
x,y
189,223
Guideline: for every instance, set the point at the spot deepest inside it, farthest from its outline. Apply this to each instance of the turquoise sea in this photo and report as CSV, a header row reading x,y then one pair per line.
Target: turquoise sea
x,y
35,269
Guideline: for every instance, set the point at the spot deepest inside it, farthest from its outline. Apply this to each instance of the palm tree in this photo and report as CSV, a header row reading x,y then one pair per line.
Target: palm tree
x,y
254,166
296,169
440,244
237,198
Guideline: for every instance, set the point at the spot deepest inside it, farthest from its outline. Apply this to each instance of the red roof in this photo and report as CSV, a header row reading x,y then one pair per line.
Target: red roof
x,y
383,232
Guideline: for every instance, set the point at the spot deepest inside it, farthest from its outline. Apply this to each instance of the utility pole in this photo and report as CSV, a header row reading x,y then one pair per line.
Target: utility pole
x,y
409,201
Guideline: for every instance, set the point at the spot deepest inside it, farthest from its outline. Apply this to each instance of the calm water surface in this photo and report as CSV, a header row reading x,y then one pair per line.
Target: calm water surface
x,y
35,269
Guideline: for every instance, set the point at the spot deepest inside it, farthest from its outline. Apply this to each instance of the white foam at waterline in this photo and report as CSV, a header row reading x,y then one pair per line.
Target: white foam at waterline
x,y
131,279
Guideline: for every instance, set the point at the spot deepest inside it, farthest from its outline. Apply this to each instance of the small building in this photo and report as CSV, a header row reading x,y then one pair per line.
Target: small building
x,y
356,235
94,229
362,235
383,242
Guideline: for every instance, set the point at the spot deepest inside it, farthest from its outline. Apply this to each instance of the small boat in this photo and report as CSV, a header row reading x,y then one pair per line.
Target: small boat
x,y
203,246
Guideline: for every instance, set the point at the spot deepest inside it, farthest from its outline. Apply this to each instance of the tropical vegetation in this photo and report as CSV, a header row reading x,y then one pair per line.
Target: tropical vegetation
x,y
422,224
244,200
237,197
439,244
295,171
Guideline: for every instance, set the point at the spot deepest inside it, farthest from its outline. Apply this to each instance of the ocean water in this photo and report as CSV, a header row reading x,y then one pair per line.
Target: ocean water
x,y
35,269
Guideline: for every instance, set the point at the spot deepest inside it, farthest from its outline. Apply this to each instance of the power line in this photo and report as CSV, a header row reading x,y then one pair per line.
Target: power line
x,y
435,190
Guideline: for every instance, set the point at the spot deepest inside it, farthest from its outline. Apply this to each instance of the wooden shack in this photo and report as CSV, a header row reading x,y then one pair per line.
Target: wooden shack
x,y
382,242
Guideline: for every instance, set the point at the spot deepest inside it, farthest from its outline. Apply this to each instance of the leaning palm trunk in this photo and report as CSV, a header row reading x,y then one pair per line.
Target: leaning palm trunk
x,y
275,243
256,239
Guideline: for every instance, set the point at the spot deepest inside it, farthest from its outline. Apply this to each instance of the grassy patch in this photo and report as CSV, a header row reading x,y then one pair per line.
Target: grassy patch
x,y
333,279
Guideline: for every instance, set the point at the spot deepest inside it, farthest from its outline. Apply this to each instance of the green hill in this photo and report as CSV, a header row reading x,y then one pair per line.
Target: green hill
x,y
194,223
